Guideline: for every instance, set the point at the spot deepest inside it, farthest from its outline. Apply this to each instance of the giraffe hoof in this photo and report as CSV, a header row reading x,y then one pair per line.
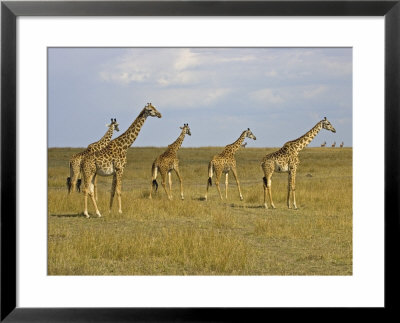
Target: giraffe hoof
x,y
86,215
120,211
98,214
182,198
241,198
266,206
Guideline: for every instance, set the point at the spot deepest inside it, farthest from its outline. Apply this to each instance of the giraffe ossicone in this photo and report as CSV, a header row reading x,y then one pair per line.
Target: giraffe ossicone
x,y
286,160
111,160
225,162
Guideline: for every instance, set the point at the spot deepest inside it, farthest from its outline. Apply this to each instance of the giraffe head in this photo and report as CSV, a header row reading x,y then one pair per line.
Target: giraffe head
x,y
249,134
186,129
150,110
114,124
327,125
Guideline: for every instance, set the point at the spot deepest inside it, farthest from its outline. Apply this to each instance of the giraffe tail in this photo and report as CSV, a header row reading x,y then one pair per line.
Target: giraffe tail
x,y
69,179
69,184
155,184
78,185
154,174
210,173
265,181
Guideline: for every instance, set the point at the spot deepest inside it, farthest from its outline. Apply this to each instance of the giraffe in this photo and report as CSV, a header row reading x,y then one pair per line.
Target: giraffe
x,y
286,160
167,162
111,160
334,144
324,144
224,162
341,145
76,160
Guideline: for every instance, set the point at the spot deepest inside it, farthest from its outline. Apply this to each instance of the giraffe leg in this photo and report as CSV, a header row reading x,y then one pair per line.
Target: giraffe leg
x,y
180,181
218,174
237,182
288,191
74,170
265,191
94,203
269,187
268,169
226,185
89,190
170,184
85,193
113,186
294,199
85,211
163,179
291,188
95,187
118,189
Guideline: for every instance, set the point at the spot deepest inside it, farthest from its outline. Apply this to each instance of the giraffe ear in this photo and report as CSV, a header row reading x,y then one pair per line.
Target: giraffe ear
x,y
324,118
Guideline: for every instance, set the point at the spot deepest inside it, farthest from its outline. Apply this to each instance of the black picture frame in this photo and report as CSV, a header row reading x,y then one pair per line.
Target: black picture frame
x,y
10,10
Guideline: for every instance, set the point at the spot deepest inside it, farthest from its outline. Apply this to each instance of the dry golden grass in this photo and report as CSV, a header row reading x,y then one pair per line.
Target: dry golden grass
x,y
197,237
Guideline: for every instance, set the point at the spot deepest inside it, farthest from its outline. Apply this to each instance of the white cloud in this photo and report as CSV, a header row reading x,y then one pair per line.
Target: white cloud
x,y
271,73
186,98
186,59
271,96
312,92
173,66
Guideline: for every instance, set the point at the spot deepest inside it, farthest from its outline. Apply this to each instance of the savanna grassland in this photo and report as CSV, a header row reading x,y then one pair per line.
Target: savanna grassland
x,y
197,237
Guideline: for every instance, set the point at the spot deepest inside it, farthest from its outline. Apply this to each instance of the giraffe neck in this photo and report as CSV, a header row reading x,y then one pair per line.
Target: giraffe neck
x,y
304,140
232,148
129,136
178,142
107,137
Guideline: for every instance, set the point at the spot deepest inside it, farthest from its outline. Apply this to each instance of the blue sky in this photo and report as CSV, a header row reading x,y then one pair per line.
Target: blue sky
x,y
279,93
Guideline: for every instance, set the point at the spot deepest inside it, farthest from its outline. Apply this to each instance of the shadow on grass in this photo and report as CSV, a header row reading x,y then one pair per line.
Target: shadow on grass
x,y
246,206
71,215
